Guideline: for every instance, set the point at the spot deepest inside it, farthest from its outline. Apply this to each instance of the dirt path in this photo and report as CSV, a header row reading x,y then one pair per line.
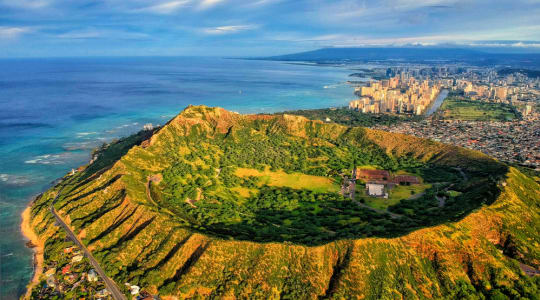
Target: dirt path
x,y
153,178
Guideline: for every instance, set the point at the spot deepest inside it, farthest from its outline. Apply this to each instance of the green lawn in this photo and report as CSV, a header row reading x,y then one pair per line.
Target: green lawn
x,y
469,110
454,193
295,180
396,194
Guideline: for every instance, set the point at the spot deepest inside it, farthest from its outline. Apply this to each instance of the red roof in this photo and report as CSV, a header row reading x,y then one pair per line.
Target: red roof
x,y
66,269
372,174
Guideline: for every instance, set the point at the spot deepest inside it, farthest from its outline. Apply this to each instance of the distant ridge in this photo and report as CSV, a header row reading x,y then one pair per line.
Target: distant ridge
x,y
410,54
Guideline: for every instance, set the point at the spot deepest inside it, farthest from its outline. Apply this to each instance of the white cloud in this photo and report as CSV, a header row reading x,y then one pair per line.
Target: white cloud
x,y
164,8
413,4
206,4
26,4
499,44
261,3
229,29
102,34
13,32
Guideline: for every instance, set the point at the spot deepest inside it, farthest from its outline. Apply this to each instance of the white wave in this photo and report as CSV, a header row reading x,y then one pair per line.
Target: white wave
x,y
10,179
86,133
50,159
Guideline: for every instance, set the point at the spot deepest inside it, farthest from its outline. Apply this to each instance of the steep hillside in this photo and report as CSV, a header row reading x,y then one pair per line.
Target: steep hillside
x,y
188,212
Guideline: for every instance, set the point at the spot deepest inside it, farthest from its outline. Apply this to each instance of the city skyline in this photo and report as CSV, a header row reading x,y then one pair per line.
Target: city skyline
x,y
45,28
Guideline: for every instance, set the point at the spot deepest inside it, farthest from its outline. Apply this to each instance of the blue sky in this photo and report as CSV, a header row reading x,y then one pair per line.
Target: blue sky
x,y
41,28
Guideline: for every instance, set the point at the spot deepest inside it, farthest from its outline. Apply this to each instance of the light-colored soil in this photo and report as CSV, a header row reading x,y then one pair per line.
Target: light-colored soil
x,y
29,233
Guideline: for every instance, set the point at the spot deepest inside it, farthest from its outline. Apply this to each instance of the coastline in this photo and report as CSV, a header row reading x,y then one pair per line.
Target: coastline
x,y
37,247
71,148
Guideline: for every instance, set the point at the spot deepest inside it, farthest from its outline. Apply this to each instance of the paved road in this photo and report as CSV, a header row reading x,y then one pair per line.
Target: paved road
x,y
110,284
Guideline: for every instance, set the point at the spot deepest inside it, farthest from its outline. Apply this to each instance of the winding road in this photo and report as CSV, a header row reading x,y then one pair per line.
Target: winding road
x,y
109,283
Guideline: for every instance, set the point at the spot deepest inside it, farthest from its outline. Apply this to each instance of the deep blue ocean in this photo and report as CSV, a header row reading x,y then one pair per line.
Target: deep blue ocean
x,y
53,112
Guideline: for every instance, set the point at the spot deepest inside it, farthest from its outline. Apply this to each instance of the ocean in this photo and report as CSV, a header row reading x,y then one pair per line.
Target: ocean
x,y
53,112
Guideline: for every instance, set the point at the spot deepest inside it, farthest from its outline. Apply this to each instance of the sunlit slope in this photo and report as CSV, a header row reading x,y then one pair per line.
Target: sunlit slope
x,y
117,212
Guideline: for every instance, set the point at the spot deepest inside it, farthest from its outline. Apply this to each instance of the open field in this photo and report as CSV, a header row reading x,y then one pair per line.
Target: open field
x,y
469,110
293,180
396,194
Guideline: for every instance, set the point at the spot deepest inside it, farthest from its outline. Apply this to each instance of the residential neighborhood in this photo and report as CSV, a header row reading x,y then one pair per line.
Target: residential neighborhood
x,y
515,142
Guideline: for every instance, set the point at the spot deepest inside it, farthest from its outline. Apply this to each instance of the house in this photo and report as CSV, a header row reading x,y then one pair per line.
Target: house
x,y
406,180
375,189
92,275
102,293
66,269
134,290
71,278
50,272
51,282
370,175
77,258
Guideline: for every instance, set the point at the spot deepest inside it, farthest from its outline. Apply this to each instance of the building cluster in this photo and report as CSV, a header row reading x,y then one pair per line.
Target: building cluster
x,y
514,142
514,89
378,182
486,84
70,275
412,89
399,95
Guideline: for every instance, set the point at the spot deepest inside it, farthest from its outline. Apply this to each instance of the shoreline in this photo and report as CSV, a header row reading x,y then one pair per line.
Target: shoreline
x,y
37,247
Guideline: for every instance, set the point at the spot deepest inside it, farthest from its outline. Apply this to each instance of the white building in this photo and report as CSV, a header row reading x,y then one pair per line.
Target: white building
x,y
375,189
92,276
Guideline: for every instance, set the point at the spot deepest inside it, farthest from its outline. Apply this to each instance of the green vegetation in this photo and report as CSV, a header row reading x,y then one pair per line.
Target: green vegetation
x,y
292,180
221,205
109,153
279,180
395,195
349,117
63,272
460,108
534,174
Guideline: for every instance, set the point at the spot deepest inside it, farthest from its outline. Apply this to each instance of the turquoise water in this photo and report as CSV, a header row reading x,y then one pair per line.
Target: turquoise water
x,y
54,111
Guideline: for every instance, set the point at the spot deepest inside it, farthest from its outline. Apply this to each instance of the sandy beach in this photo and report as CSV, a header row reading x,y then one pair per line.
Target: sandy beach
x,y
37,246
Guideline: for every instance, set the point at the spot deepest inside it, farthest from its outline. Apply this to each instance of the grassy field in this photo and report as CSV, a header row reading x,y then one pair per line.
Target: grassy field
x,y
243,191
468,110
396,194
293,180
